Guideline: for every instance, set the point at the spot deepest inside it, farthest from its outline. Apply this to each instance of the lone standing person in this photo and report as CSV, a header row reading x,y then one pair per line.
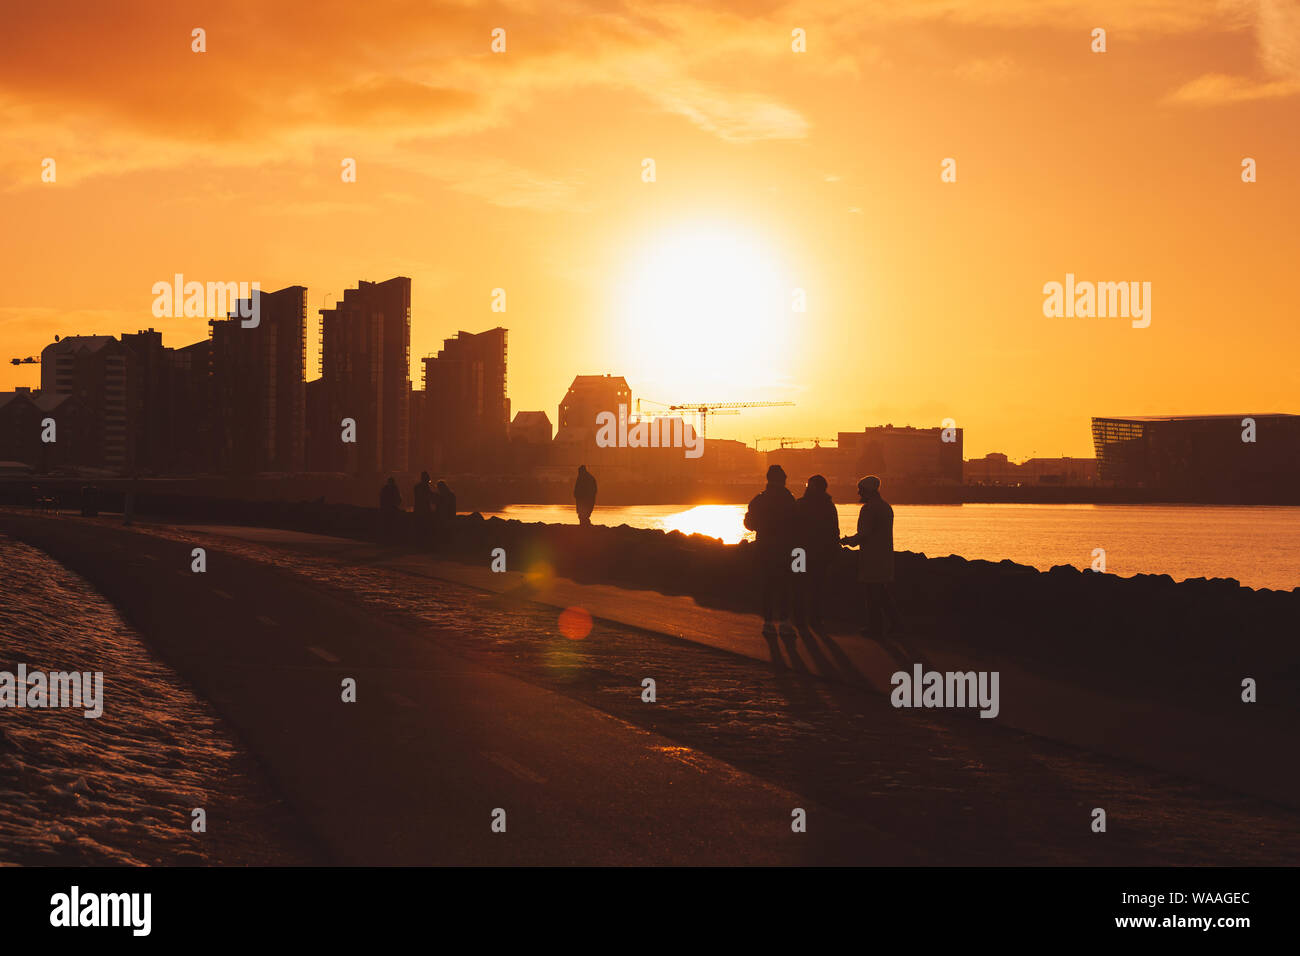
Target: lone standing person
x,y
772,516
875,541
584,494
390,503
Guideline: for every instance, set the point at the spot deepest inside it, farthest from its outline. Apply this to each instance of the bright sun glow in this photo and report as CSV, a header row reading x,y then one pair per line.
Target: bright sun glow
x,y
707,312
716,521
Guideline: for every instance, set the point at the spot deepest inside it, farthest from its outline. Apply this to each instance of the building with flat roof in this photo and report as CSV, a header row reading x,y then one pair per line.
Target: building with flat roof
x,y
365,365
996,469
467,418
1241,457
102,374
913,454
532,428
258,389
587,397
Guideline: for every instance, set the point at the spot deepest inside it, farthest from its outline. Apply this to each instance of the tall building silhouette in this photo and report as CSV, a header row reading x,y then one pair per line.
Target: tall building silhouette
x,y
258,396
151,426
467,413
102,374
193,434
365,371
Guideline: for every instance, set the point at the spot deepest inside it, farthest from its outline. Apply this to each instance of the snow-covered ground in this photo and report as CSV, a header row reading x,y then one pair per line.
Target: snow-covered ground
x,y
120,788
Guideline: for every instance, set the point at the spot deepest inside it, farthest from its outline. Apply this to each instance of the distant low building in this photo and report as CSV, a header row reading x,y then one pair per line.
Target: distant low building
x,y
20,427
801,463
531,428
723,456
996,469
1060,471
74,431
530,441
27,416
1206,457
911,454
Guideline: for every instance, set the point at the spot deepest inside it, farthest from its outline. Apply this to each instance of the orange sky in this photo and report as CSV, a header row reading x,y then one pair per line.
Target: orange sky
x,y
523,171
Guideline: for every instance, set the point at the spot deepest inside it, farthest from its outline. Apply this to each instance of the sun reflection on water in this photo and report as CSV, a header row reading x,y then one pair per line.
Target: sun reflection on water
x,y
717,521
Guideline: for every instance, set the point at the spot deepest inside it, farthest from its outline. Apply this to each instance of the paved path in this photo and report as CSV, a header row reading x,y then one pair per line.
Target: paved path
x,y
412,772
1246,753
469,700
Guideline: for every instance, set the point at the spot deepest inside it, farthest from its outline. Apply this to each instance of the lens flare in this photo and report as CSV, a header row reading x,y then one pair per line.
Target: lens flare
x,y
575,623
539,574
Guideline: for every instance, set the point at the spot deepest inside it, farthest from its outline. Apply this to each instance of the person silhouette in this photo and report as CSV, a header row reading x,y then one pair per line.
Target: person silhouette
x,y
390,503
445,509
771,516
90,501
817,531
422,504
875,541
584,494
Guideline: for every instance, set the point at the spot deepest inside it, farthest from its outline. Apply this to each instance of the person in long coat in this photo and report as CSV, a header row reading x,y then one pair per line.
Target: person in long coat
x,y
422,505
771,516
817,531
875,542
584,494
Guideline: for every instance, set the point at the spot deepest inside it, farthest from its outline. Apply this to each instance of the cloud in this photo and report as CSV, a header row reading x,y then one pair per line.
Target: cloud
x,y
115,90
1216,88
1277,30
396,101
1276,25
738,118
506,184
121,89
987,70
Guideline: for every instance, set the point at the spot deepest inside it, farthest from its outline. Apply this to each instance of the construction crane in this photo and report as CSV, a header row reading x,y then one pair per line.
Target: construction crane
x,y
786,442
705,409
30,360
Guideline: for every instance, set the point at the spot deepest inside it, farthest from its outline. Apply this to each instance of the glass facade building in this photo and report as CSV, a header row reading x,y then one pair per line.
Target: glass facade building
x,y
1205,457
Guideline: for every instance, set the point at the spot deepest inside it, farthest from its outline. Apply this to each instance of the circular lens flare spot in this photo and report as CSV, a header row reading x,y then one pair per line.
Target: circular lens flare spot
x,y
539,574
575,623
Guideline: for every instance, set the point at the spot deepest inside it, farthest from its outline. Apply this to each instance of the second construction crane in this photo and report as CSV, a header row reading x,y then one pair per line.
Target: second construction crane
x,y
706,409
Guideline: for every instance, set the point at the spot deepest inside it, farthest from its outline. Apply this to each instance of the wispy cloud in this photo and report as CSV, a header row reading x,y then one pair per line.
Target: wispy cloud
x,y
1215,88
1276,26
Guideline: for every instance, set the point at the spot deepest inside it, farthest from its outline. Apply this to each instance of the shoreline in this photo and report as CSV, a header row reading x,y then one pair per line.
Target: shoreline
x,y
494,493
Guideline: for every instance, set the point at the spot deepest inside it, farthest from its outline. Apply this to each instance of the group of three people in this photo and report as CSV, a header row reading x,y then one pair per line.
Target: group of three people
x,y
781,524
431,506
793,585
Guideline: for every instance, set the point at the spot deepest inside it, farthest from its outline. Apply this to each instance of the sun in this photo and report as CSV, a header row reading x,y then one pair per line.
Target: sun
x,y
706,310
